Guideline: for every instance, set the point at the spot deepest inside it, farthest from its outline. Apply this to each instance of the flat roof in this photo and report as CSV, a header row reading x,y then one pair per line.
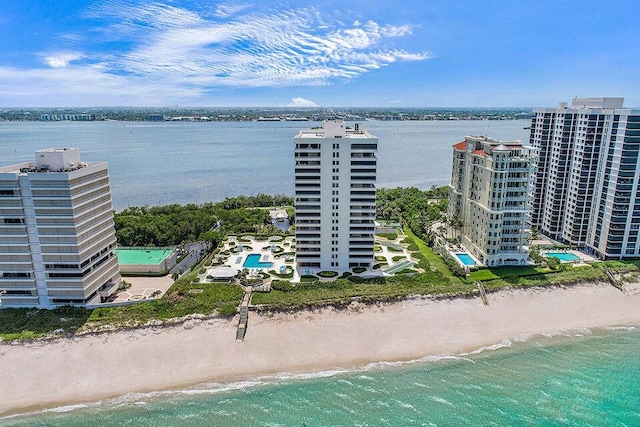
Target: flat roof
x,y
16,169
142,256
319,133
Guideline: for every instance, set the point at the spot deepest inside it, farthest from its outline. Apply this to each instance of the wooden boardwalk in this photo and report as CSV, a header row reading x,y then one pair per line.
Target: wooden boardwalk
x,y
612,279
483,293
244,314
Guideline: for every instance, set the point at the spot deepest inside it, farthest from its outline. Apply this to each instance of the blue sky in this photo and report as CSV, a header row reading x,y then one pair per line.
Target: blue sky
x,y
360,53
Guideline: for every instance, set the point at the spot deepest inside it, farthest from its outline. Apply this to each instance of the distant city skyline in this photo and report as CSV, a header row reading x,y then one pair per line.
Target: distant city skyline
x,y
316,54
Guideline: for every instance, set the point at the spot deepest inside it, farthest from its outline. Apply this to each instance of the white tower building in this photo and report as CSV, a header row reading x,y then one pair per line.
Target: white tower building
x,y
335,197
57,236
586,189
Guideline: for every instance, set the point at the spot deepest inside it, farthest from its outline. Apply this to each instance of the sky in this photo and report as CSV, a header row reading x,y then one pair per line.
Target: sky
x,y
322,53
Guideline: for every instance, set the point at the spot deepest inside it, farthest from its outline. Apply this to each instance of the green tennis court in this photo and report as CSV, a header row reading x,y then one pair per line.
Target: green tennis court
x,y
136,256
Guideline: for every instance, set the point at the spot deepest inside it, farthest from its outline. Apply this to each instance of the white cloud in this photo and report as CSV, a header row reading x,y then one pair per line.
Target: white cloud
x,y
395,101
61,59
189,52
251,49
86,86
225,10
301,102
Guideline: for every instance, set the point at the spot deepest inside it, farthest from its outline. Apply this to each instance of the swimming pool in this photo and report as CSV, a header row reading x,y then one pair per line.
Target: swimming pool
x,y
253,261
466,259
563,256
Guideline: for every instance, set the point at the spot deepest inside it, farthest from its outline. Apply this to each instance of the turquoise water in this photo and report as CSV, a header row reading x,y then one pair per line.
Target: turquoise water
x,y
466,259
253,261
562,256
579,379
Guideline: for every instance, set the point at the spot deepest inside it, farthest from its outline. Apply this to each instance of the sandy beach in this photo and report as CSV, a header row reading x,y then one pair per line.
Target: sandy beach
x,y
89,368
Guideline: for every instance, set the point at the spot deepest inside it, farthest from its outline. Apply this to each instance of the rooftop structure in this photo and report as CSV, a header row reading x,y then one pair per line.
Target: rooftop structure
x,y
335,194
489,195
57,236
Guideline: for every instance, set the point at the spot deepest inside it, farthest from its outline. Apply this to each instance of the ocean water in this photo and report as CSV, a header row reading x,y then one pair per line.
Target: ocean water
x,y
180,162
582,378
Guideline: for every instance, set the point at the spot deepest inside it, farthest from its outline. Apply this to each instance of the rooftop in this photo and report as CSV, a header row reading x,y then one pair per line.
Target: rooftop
x,y
335,129
51,160
460,145
31,167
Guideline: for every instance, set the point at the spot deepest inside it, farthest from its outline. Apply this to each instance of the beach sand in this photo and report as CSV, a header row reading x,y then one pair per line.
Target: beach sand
x,y
92,367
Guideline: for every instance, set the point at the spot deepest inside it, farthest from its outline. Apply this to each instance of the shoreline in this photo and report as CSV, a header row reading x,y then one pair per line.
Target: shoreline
x,y
87,368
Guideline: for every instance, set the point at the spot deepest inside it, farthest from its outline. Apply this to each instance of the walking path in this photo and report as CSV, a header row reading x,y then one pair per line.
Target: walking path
x,y
244,314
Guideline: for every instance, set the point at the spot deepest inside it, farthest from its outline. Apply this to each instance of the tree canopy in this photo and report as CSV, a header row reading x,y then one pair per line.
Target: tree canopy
x,y
174,224
417,208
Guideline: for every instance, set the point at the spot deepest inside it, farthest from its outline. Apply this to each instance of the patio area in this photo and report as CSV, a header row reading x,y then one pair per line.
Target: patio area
x,y
143,288
273,257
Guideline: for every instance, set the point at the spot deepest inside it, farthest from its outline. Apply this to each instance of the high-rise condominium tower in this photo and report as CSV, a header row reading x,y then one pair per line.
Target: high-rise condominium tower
x,y
335,197
489,195
57,236
586,188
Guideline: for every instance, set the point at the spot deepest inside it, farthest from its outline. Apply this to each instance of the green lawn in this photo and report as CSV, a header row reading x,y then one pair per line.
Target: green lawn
x,y
503,272
571,276
434,259
342,290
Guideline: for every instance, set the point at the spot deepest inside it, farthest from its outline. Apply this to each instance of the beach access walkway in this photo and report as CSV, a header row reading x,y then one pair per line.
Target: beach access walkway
x,y
483,293
244,314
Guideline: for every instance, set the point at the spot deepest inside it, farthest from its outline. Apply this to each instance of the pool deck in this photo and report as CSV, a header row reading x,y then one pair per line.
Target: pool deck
x,y
258,247
582,257
388,249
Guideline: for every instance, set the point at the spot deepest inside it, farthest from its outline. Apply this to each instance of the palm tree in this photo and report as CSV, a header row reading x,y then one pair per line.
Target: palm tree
x,y
457,224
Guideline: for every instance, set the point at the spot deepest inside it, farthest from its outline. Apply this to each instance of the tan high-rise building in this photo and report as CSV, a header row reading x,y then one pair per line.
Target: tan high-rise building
x,y
57,235
489,194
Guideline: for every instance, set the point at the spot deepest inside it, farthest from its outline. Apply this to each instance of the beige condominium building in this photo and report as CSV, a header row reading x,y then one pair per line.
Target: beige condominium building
x,y
335,197
586,189
57,235
489,194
